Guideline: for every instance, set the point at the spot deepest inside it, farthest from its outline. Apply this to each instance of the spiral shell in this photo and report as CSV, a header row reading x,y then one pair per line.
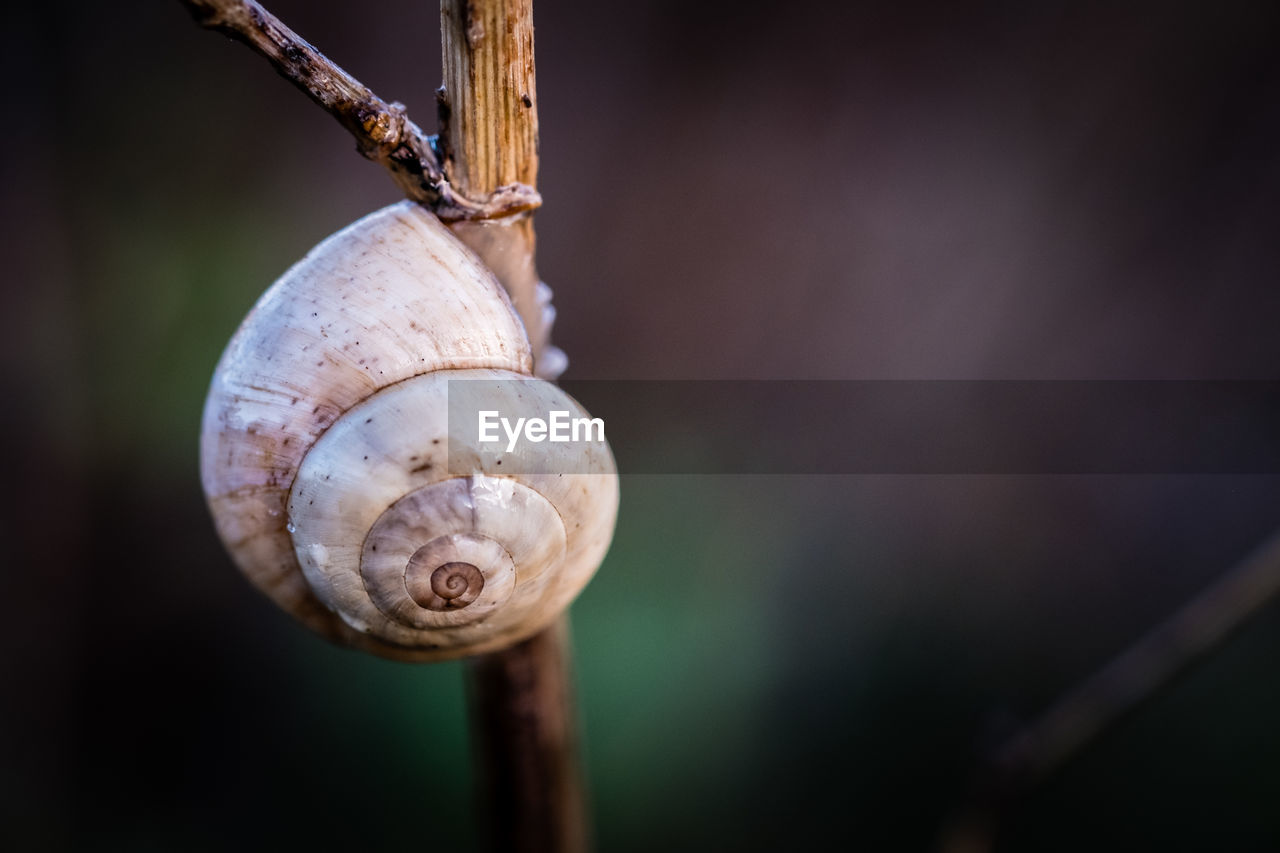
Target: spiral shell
x,y
334,479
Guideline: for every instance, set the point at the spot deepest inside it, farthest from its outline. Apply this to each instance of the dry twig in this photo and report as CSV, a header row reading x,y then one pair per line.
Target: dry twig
x,y
382,130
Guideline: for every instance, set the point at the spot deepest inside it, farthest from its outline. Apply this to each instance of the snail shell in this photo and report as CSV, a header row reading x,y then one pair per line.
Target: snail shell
x,y
331,472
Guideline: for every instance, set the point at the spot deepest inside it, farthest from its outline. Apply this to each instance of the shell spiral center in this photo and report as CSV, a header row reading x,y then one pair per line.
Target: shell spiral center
x,y
453,585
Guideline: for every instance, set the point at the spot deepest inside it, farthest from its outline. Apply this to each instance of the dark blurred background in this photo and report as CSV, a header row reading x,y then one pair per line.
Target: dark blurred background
x,y
910,190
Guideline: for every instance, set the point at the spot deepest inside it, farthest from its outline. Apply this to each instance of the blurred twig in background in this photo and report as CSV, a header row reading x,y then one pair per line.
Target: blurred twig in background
x,y
1096,704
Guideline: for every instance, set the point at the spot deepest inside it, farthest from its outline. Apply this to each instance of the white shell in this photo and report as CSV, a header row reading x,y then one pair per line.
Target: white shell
x,y
327,419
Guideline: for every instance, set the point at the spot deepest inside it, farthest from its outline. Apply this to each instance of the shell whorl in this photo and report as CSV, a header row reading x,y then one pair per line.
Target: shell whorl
x,y
449,586
329,467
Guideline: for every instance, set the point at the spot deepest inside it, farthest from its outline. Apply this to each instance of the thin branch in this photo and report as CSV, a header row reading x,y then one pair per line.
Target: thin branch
x,y
1111,694
524,725
382,130
522,704
488,107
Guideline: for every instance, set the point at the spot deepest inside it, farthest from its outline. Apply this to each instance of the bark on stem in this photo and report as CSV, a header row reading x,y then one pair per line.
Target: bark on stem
x,y
488,103
523,713
489,135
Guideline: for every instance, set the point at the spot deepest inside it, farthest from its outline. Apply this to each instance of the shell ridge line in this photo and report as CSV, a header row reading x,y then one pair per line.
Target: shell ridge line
x,y
423,222
364,581
559,515
342,413
394,252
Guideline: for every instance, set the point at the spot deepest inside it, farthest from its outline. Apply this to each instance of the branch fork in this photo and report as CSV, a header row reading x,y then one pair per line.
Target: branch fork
x,y
383,130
